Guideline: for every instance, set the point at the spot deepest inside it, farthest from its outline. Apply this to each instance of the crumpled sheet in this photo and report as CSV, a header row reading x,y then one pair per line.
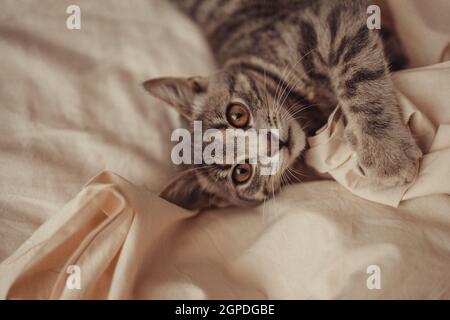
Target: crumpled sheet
x,y
106,230
71,108
130,244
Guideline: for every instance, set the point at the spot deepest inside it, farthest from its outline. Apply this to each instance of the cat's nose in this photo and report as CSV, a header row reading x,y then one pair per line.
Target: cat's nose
x,y
283,144
274,144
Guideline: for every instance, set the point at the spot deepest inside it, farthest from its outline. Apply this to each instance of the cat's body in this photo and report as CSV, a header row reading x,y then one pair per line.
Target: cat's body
x,y
289,63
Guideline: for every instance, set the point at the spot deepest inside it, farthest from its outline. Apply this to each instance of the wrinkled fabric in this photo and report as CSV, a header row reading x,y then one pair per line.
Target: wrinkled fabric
x,y
130,244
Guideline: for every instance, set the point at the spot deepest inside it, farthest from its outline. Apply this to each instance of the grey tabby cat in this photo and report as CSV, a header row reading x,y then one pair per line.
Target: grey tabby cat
x,y
286,64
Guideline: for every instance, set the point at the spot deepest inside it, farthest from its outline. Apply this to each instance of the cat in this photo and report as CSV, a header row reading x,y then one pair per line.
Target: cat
x,y
287,64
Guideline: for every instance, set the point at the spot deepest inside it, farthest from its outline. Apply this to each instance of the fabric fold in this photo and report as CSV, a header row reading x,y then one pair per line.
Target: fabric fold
x,y
89,233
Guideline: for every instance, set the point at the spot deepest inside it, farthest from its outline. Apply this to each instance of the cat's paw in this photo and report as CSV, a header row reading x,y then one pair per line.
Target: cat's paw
x,y
390,162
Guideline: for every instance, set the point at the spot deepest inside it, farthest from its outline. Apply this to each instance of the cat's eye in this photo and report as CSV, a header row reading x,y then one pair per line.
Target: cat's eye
x,y
242,173
237,115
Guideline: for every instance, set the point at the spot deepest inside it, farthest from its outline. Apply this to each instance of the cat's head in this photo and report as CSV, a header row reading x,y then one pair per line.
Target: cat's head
x,y
230,99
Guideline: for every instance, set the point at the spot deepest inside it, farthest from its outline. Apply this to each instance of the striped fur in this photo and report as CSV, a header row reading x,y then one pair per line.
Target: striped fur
x,y
292,54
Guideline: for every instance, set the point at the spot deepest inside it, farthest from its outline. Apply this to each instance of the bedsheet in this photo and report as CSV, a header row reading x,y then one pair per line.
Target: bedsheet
x,y
72,107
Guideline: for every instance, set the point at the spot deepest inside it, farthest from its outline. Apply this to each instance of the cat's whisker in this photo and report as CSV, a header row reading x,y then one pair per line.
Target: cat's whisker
x,y
284,77
292,179
286,179
303,108
286,94
298,172
285,115
279,83
297,103
307,125
293,175
301,117
284,112
292,85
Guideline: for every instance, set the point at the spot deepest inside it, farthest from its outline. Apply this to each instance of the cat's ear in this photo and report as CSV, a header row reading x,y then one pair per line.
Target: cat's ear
x,y
178,92
186,191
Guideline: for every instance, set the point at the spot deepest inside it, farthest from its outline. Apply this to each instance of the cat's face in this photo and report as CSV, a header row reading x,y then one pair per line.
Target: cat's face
x,y
231,99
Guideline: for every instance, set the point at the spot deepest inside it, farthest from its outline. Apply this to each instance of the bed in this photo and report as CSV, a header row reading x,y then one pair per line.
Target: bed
x,y
84,152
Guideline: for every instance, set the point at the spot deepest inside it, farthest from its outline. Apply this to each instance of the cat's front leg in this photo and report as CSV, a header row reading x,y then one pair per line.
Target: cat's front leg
x,y
358,72
386,150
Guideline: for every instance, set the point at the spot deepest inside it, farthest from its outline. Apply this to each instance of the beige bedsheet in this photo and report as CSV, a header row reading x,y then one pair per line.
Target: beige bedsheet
x,y
71,107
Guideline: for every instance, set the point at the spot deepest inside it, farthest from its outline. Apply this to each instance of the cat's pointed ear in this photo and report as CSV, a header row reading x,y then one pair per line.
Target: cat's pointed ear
x,y
178,92
186,191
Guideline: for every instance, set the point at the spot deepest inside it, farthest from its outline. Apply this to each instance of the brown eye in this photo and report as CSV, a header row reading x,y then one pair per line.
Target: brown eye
x,y
242,173
237,115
